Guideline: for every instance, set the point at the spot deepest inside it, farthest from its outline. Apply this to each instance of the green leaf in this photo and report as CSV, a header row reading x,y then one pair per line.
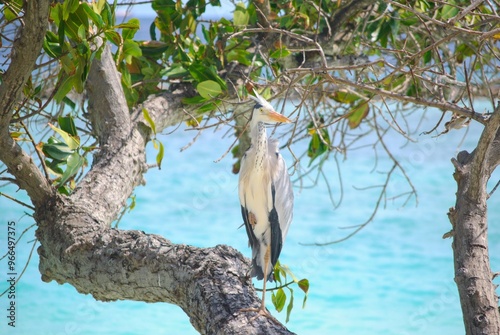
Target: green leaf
x,y
357,114
114,37
277,270
65,88
208,107
81,32
96,18
193,100
279,299
175,71
129,28
241,56
67,124
130,49
72,142
73,163
69,6
159,156
427,56
69,102
132,203
154,49
449,10
317,146
201,72
209,89
58,151
240,15
304,285
345,97
51,45
280,53
289,307
149,120
132,24
12,11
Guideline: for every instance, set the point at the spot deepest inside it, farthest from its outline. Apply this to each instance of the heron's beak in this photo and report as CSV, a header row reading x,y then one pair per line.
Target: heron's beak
x,y
277,117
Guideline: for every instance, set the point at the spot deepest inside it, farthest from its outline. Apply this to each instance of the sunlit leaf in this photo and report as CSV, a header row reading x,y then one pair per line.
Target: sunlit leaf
x,y
65,88
71,141
132,24
81,32
130,49
69,6
96,18
175,71
67,124
194,122
357,114
149,120
240,15
345,97
208,107
130,28
113,36
279,299
304,285
289,307
73,164
449,10
57,151
159,156
280,53
209,89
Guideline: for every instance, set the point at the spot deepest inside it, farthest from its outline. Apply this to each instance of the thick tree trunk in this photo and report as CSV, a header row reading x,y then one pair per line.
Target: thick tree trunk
x,y
473,274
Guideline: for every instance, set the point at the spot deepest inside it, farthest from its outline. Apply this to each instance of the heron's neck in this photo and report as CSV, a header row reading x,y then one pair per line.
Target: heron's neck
x,y
259,141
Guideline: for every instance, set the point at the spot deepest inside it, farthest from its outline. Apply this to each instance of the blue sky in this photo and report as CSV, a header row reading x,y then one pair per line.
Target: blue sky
x,y
145,10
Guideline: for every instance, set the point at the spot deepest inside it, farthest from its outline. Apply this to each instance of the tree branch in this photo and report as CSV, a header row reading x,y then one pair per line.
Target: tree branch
x,y
25,51
211,285
481,167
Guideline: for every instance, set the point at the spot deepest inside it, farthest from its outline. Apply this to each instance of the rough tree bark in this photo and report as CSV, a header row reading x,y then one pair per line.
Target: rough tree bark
x,y
473,274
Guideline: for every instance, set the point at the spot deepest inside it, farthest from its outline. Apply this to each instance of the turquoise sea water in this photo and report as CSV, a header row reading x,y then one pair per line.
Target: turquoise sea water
x,y
393,277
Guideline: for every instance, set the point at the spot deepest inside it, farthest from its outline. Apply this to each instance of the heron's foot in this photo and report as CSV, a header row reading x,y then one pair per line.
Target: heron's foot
x,y
262,311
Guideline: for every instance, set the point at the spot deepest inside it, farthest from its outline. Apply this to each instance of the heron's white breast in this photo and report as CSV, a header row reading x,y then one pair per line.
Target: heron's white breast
x,y
258,200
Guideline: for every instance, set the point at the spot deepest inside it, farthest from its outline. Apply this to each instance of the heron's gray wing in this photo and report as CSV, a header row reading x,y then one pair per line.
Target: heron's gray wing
x,y
283,192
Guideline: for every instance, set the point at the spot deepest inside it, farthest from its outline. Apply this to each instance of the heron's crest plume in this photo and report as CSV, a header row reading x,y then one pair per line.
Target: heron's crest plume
x,y
261,101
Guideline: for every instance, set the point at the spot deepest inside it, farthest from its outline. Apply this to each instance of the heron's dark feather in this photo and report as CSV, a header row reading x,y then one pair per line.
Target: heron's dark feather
x,y
276,237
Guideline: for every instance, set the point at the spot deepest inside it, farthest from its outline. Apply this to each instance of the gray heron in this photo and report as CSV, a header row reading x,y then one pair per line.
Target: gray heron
x,y
266,195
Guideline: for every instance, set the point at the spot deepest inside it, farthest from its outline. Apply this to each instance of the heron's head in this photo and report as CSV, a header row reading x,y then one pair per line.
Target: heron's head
x,y
264,112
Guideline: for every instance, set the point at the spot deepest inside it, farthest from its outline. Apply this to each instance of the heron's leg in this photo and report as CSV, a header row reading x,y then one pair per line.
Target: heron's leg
x,y
267,255
262,310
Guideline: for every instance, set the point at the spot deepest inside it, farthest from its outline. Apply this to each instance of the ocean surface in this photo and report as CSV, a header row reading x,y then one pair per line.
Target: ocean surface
x,y
394,277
